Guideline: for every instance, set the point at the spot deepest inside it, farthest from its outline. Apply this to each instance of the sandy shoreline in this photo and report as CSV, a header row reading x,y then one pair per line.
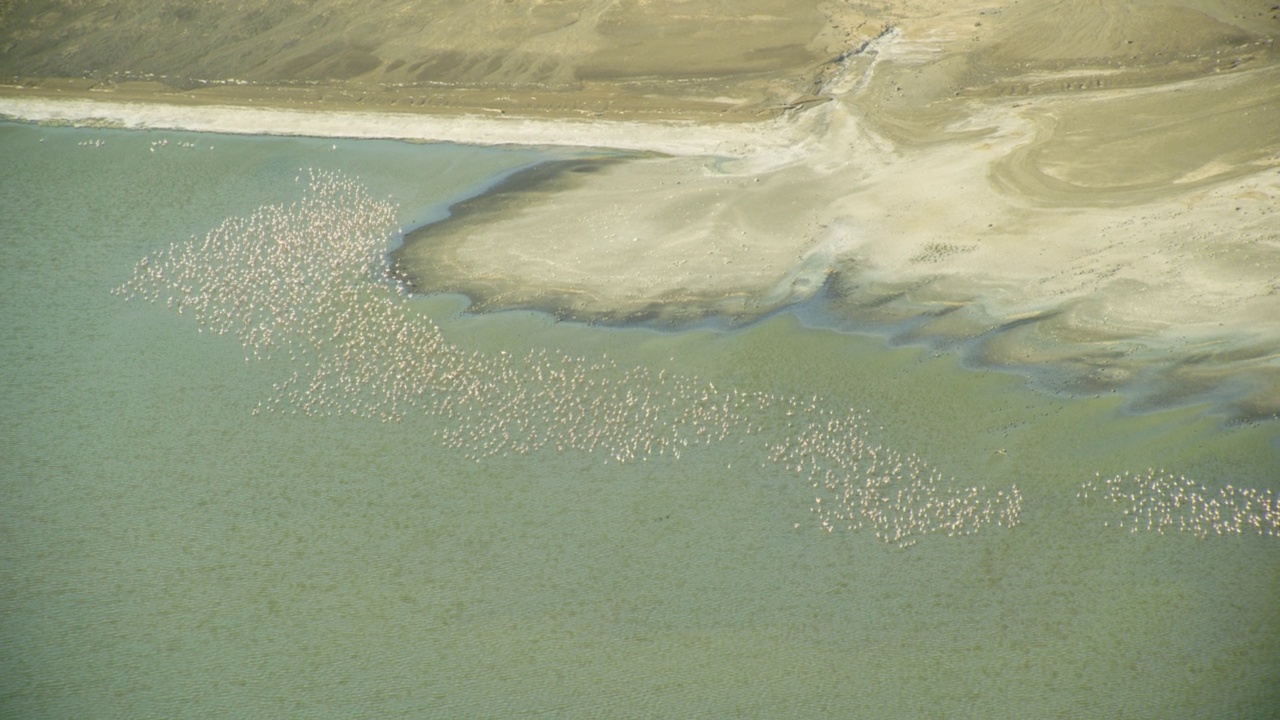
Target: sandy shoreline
x,y
972,178
672,137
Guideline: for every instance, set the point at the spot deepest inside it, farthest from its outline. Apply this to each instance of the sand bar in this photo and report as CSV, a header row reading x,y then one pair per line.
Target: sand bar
x,y
1087,186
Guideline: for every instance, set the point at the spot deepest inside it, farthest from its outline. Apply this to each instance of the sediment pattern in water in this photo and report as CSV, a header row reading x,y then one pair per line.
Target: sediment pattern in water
x,y
306,282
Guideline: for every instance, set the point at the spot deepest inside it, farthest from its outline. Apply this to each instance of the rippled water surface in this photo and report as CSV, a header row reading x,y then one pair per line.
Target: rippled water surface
x,y
308,494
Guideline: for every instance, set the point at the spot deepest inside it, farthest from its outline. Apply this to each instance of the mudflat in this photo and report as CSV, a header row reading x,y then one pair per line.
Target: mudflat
x,y
1088,186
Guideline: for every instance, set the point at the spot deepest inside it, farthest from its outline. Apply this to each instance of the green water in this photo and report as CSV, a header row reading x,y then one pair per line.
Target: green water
x,y
167,552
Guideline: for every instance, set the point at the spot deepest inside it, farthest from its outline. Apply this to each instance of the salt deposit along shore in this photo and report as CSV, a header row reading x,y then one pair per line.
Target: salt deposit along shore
x,y
970,178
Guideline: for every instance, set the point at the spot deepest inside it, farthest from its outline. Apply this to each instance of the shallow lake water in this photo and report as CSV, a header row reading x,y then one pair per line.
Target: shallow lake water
x,y
554,518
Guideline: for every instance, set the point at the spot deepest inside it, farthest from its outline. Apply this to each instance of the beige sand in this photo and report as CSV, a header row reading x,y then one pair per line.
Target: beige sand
x,y
705,59
1084,182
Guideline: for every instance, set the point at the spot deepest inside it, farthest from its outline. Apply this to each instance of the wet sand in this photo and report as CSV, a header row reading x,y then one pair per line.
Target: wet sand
x,y
1090,187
